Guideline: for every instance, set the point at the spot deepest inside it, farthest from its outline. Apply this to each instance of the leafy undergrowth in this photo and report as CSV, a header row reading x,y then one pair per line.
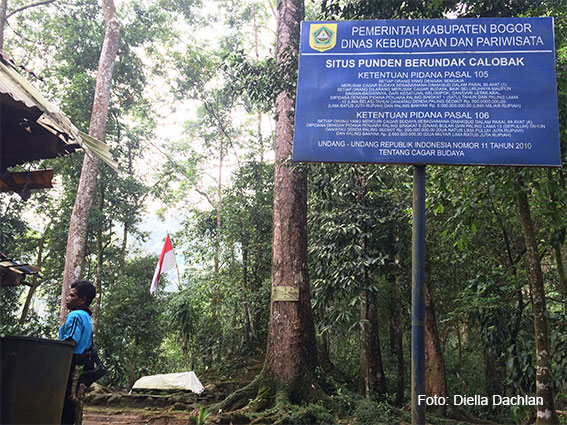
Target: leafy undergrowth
x,y
339,406
342,408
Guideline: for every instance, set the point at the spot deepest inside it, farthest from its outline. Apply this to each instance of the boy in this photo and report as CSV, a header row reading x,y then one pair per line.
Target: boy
x,y
78,328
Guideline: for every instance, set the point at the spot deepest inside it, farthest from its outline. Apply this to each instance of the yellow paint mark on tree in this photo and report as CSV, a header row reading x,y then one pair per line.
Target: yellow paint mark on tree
x,y
285,293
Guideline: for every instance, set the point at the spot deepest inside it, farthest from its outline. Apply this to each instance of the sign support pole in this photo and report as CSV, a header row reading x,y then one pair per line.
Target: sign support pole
x,y
418,298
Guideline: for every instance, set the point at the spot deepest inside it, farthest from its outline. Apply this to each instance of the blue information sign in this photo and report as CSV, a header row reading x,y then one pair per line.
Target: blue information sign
x,y
461,91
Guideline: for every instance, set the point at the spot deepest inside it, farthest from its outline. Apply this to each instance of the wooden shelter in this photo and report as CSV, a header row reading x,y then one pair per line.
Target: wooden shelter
x,y
13,273
31,128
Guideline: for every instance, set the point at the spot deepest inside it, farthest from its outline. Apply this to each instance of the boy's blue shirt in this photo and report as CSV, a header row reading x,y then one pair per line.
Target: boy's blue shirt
x,y
78,326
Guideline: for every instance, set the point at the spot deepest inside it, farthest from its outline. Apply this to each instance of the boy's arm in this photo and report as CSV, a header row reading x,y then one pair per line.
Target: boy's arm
x,y
73,328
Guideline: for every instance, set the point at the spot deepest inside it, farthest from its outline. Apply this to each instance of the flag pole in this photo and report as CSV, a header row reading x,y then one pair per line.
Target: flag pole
x,y
176,267
178,277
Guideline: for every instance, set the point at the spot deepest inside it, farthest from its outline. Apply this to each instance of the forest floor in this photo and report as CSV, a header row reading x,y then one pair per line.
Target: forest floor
x,y
131,416
218,384
117,407
127,416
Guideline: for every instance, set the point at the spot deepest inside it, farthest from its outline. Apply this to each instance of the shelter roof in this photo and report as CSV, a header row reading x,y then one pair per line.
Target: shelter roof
x,y
13,272
33,128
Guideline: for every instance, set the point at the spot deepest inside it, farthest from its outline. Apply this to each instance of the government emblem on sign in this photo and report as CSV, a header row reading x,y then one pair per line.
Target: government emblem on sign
x,y
322,36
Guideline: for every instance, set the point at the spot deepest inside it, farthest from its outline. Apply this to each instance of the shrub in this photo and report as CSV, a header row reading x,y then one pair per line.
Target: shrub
x,y
370,413
312,414
346,400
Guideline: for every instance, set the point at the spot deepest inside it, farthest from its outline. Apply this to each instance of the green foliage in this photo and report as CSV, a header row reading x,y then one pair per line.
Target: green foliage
x,y
8,313
260,81
35,326
346,400
390,9
19,242
132,325
203,415
183,314
356,214
558,342
312,414
370,413
13,229
226,310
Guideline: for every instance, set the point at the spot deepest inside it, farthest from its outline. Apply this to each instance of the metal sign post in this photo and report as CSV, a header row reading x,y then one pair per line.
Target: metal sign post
x,y
418,298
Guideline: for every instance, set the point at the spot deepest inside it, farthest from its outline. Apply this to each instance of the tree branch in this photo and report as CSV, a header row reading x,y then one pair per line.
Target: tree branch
x,y
177,167
223,129
29,40
200,192
20,9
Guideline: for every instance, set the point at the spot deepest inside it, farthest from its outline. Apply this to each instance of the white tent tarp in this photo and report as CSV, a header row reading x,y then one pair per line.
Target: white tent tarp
x,y
170,381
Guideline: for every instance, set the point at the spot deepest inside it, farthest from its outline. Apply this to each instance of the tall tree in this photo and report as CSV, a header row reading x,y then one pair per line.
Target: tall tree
x,y
372,379
76,241
291,353
3,12
435,377
546,413
291,356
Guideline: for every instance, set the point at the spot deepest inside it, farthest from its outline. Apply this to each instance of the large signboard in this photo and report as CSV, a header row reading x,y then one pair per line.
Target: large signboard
x,y
464,91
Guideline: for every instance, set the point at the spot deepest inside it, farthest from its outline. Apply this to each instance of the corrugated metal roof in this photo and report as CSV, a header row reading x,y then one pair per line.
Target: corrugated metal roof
x,y
52,119
13,273
12,90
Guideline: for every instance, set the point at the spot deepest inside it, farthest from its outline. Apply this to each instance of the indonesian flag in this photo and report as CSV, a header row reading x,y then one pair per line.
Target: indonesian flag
x,y
166,262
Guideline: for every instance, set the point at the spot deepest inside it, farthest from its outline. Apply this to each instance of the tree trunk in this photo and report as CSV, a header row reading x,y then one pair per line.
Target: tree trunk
x,y
398,330
249,333
372,379
76,240
126,229
324,361
323,353
98,280
36,281
251,322
556,243
544,379
186,353
291,354
396,319
122,261
219,212
461,360
216,257
3,10
435,378
494,368
132,374
259,113
562,275
249,327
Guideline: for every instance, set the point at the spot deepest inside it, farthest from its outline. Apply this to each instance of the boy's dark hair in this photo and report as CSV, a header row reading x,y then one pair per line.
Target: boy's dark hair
x,y
86,289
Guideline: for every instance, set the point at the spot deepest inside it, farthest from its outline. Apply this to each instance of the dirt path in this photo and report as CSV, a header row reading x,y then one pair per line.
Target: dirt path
x,y
133,417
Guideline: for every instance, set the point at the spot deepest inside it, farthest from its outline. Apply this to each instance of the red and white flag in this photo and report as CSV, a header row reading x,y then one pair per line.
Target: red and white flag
x,y
166,262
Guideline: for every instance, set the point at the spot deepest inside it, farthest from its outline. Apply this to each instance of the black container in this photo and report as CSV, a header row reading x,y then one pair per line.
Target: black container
x,y
33,379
